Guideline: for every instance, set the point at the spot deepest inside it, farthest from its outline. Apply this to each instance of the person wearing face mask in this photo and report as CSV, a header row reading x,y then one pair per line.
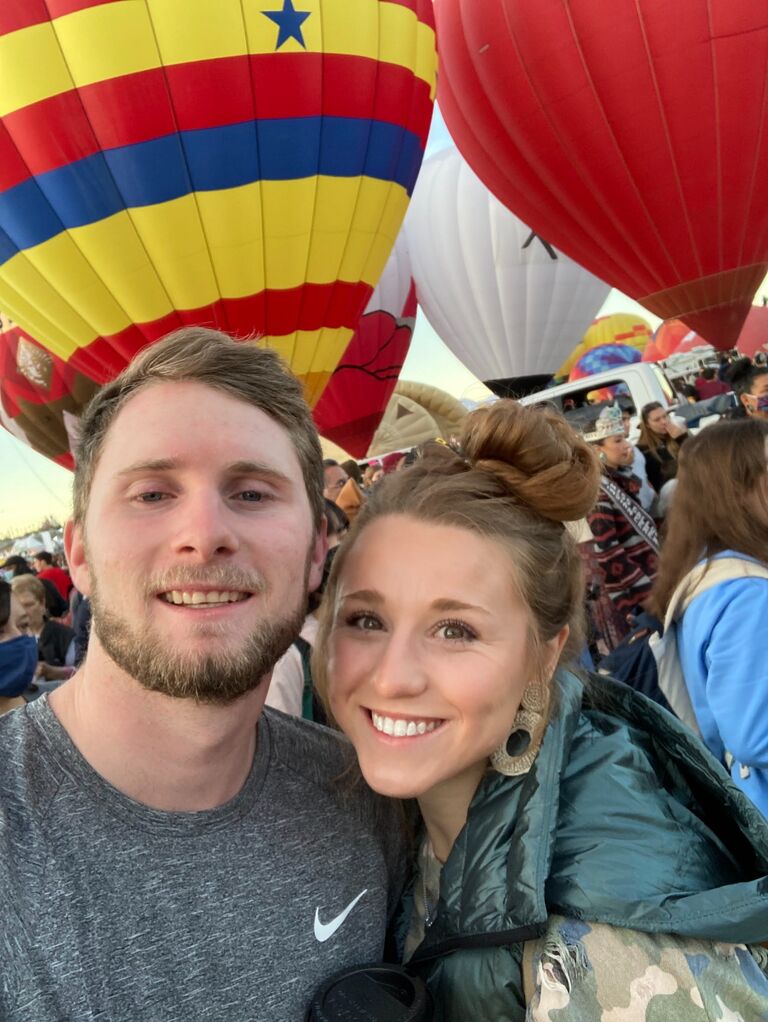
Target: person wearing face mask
x,y
580,855
626,541
750,384
18,651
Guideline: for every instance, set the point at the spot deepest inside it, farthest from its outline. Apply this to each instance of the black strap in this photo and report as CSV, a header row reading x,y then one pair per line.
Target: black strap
x,y
638,517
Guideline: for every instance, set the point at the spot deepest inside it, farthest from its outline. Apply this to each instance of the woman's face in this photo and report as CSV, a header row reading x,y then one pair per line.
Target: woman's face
x,y
756,402
616,451
428,656
658,421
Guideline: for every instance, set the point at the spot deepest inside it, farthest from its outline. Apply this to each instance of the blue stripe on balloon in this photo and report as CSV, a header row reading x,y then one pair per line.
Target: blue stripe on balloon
x,y
166,168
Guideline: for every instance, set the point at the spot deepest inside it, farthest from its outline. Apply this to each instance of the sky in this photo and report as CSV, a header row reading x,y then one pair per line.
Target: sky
x,y
33,488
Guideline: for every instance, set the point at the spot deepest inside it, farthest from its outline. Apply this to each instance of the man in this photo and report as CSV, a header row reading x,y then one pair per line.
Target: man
x,y
45,568
167,850
709,386
334,479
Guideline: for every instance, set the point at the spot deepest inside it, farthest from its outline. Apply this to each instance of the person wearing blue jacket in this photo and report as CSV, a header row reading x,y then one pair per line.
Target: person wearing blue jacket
x,y
721,513
18,651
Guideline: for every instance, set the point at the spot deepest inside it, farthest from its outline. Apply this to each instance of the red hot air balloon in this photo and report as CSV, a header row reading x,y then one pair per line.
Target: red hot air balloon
x,y
41,397
354,402
628,133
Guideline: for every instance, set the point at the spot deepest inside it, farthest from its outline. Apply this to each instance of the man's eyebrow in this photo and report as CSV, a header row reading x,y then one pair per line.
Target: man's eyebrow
x,y
235,468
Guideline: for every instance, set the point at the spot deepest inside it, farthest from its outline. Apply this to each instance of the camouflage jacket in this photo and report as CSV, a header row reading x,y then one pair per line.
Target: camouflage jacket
x,y
624,878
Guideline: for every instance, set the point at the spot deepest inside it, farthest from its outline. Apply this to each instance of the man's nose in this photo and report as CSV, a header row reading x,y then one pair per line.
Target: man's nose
x,y
205,526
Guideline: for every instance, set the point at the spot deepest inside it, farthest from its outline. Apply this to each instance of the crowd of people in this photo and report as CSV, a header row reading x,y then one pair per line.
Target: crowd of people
x,y
334,736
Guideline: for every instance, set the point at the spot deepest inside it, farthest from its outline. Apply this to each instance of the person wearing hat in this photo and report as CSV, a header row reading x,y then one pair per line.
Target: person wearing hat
x,y
626,543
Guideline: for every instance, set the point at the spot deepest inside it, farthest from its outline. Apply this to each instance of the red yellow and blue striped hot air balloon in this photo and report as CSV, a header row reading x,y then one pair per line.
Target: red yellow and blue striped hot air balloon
x,y
242,164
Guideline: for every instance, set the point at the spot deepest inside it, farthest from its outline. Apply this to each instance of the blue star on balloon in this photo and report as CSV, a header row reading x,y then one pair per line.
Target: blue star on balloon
x,y
289,21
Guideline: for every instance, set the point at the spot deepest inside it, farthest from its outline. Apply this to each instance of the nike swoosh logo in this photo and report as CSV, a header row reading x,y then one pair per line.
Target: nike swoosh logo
x,y
324,931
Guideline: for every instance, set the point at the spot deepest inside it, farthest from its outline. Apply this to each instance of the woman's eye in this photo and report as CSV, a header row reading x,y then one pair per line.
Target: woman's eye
x,y
364,622
455,631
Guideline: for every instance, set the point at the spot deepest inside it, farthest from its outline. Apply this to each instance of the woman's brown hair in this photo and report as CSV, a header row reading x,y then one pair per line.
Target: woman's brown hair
x,y
722,472
652,441
516,475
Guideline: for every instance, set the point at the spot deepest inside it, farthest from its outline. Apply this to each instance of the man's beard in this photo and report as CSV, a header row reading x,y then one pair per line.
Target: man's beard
x,y
217,678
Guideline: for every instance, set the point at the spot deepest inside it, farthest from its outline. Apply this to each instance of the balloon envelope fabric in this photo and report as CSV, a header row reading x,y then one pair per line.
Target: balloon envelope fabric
x,y
354,402
629,133
41,397
609,356
241,164
501,298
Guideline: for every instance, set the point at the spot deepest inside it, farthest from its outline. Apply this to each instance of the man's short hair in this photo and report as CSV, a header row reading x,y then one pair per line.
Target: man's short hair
x,y
708,373
254,375
43,555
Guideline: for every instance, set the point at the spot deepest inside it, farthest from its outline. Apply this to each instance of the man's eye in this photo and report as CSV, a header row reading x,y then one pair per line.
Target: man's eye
x,y
252,496
151,497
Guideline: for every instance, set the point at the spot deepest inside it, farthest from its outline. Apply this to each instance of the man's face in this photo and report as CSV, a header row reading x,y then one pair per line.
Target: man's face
x,y
198,546
335,477
626,421
39,564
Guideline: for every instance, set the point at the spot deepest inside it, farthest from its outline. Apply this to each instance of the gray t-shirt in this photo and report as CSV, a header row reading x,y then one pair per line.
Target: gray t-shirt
x,y
113,911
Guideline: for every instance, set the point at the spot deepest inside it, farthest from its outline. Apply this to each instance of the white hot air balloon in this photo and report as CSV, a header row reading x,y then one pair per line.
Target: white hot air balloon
x,y
502,299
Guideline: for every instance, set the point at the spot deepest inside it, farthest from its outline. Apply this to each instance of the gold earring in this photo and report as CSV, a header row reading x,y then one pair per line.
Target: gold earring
x,y
516,755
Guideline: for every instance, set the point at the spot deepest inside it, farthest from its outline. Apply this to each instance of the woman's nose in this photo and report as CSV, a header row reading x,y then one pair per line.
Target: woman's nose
x,y
400,671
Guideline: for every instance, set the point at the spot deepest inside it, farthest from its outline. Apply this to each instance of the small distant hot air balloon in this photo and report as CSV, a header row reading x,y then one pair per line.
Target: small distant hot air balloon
x,y
608,356
353,403
629,134
41,397
241,166
622,328
505,302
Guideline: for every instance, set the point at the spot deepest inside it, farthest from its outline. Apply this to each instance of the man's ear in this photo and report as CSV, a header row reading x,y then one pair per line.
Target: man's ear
x,y
74,548
317,555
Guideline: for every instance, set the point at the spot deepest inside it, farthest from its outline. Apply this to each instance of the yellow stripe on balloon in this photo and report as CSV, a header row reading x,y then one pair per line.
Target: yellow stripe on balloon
x,y
141,264
312,356
71,49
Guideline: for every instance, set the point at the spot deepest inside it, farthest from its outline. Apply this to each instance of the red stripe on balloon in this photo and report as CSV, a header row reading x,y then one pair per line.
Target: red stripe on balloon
x,y
269,312
135,108
16,14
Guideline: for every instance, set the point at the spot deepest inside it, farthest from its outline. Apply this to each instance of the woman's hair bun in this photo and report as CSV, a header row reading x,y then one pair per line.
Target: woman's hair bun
x,y
542,461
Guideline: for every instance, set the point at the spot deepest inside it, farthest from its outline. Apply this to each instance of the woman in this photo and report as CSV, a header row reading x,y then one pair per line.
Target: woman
x,y
720,520
660,441
18,651
750,384
567,864
624,552
55,641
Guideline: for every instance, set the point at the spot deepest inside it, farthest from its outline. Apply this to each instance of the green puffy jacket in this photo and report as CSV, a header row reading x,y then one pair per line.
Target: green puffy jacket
x,y
626,867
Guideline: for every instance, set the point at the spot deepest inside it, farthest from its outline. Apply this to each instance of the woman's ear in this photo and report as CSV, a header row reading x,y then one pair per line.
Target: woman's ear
x,y
555,649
